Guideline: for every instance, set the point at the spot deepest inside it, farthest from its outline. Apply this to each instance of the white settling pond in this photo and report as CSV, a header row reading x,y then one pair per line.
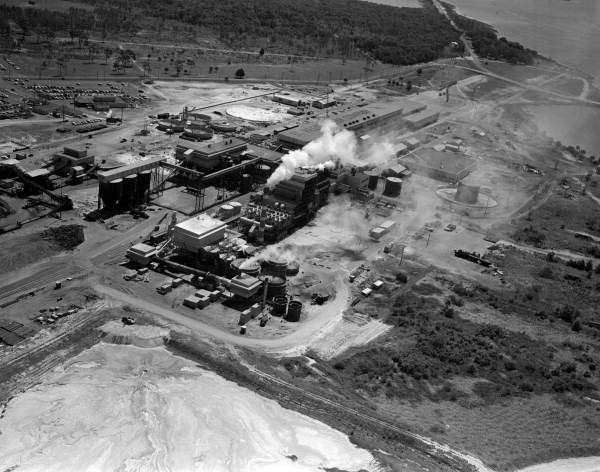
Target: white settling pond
x,y
259,115
131,409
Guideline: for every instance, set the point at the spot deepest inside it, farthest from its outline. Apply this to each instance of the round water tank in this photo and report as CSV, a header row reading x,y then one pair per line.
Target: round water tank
x,y
262,172
373,181
246,183
110,193
223,126
226,211
129,190
293,311
393,187
292,268
235,265
276,267
143,186
466,193
250,267
276,287
279,305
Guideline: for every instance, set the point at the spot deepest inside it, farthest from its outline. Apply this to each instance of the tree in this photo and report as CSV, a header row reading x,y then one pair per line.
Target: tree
x,y
210,69
261,53
408,85
178,67
107,54
239,74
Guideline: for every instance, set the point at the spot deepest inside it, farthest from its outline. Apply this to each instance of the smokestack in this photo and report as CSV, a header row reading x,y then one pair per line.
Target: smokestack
x,y
261,227
336,146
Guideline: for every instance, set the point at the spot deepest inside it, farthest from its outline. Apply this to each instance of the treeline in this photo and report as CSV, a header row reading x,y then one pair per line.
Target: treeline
x,y
389,34
486,43
347,28
42,21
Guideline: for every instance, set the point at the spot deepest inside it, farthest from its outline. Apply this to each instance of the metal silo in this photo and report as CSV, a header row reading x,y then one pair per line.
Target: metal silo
x,y
294,310
393,187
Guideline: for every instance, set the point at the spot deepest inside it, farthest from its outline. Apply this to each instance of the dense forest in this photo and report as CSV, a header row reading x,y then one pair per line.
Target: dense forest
x,y
486,43
389,34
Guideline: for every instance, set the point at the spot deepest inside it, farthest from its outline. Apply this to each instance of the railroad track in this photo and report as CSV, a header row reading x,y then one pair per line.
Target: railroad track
x,y
435,448
83,320
35,283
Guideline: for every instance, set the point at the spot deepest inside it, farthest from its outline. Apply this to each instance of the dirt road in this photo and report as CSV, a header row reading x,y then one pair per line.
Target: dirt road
x,y
291,344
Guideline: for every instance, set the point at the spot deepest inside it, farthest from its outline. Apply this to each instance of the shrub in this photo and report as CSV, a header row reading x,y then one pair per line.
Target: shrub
x,y
546,273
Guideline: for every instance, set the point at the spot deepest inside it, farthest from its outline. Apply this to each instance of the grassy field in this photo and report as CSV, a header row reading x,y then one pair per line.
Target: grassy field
x,y
548,225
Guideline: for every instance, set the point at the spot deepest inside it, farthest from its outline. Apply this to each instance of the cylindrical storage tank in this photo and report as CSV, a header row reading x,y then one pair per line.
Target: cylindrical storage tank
x,y
223,126
110,193
221,265
235,265
393,187
292,268
294,310
246,183
276,267
279,305
213,255
129,190
237,207
276,287
226,211
143,186
229,260
373,180
262,173
250,250
250,267
466,193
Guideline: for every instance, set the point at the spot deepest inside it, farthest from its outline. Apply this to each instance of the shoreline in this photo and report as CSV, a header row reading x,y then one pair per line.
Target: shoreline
x,y
595,80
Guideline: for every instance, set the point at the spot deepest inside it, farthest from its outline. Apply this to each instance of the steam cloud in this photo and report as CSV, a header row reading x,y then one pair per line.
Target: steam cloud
x,y
334,144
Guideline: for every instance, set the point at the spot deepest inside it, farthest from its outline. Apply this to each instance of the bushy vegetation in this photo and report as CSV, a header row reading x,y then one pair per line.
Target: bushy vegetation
x,y
442,346
486,43
337,27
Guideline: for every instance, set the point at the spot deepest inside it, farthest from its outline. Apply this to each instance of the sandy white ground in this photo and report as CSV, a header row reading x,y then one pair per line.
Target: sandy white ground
x,y
584,464
126,408
261,115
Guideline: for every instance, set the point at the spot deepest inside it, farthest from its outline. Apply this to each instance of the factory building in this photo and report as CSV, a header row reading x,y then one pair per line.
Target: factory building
x,y
421,119
271,215
207,156
303,194
324,103
71,157
300,136
444,166
290,99
141,254
245,285
375,115
193,234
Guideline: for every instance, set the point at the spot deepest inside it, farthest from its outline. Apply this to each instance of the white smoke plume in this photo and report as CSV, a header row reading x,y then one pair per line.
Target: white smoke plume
x,y
334,144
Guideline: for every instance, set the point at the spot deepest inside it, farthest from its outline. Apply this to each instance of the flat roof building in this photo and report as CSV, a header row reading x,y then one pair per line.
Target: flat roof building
x,y
141,253
245,285
421,119
444,166
207,156
195,233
